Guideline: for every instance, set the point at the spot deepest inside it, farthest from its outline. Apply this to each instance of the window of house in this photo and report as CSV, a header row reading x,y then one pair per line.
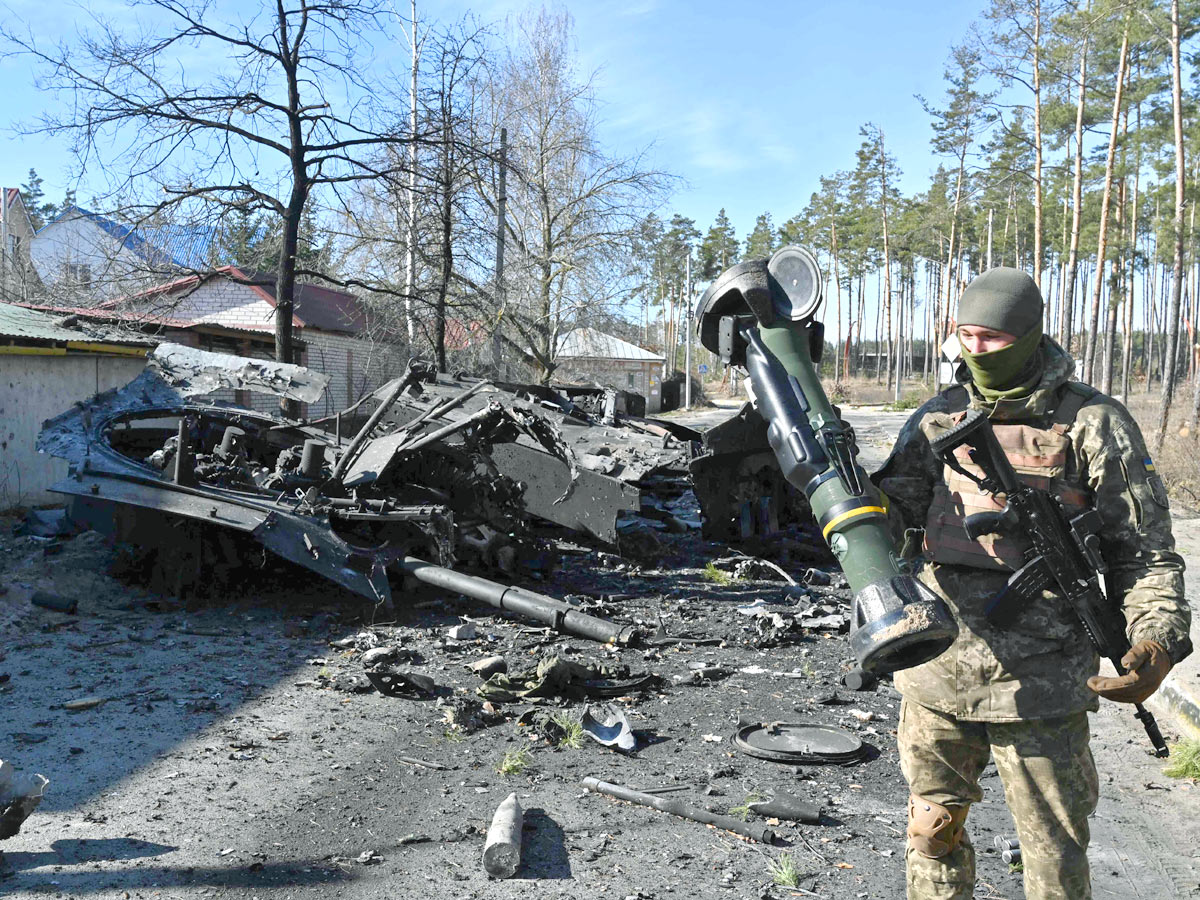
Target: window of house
x,y
632,378
78,273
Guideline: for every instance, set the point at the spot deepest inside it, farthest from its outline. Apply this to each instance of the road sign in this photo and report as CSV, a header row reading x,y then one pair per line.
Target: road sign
x,y
702,369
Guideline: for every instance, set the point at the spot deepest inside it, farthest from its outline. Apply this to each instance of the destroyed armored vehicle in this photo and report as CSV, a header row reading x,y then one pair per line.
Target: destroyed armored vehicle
x,y
442,473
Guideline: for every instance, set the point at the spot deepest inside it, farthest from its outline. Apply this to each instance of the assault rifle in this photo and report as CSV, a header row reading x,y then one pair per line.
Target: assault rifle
x,y
1065,555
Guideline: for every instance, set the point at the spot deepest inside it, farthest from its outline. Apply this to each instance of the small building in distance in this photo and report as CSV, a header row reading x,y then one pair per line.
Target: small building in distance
x,y
585,354
18,278
48,362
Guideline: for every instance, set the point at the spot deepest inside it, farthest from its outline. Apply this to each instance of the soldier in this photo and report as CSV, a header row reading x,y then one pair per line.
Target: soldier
x,y
1022,692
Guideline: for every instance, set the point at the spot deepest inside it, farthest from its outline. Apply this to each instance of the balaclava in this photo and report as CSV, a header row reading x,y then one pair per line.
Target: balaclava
x,y
1007,300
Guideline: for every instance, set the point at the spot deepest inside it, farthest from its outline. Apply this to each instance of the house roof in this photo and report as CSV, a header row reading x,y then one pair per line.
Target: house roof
x,y
316,306
588,343
183,246
44,325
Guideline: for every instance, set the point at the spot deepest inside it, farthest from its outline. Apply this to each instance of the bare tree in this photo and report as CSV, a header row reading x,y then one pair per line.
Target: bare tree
x,y
201,116
573,211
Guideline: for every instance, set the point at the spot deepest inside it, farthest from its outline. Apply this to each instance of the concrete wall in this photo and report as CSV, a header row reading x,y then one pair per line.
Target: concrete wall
x,y
36,388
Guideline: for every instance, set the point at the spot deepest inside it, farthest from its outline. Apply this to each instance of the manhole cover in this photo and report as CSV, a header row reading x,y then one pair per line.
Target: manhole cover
x,y
797,742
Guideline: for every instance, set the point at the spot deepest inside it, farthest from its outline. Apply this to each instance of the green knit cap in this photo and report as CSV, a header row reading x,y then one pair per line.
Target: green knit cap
x,y
1002,299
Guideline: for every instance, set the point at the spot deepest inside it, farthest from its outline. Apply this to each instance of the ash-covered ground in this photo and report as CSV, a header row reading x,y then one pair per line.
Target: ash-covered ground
x,y
236,750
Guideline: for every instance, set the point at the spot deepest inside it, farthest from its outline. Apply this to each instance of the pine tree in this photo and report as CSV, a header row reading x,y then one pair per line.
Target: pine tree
x,y
719,249
761,242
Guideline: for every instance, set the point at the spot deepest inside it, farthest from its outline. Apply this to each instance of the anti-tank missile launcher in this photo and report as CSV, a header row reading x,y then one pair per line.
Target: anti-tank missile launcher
x,y
760,315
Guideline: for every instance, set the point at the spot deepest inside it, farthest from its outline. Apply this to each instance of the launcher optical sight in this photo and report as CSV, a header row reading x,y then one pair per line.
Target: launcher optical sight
x,y
759,315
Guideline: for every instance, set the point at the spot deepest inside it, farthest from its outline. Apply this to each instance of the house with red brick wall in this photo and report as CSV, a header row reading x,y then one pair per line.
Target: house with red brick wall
x,y
233,311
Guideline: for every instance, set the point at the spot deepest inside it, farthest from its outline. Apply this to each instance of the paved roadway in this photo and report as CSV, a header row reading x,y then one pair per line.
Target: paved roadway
x,y
1144,831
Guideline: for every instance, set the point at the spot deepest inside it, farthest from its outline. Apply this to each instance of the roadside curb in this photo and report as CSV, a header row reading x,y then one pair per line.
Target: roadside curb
x,y
1181,704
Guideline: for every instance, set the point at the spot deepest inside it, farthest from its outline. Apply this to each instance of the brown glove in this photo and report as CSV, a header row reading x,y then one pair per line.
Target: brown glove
x,y
1147,663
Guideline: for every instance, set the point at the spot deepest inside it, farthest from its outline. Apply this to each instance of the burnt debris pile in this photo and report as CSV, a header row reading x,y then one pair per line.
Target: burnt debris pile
x,y
427,477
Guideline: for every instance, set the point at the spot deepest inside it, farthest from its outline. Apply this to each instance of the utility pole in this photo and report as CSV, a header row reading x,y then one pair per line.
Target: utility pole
x,y
989,255
410,261
501,199
687,319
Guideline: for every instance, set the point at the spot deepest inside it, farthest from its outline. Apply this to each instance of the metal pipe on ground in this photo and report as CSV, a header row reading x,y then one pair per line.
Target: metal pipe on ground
x,y
683,810
558,615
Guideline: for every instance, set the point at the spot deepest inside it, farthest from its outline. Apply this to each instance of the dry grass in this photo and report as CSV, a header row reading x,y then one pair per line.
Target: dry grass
x,y
1176,461
1185,760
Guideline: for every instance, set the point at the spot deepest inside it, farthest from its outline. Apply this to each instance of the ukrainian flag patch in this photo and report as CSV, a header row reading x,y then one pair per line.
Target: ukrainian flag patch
x,y
1148,463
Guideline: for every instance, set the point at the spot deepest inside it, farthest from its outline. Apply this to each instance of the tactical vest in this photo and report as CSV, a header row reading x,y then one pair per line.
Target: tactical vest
x,y
1039,456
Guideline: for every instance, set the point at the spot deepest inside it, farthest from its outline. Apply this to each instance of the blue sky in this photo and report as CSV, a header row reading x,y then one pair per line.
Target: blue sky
x,y
749,104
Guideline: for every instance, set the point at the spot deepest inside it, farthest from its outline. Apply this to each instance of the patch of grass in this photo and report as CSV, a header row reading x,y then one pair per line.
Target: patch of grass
x,y
572,737
454,735
1016,868
1185,760
742,811
910,400
515,762
784,871
716,576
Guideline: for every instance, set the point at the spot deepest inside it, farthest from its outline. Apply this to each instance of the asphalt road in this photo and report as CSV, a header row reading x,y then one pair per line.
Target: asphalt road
x,y
221,764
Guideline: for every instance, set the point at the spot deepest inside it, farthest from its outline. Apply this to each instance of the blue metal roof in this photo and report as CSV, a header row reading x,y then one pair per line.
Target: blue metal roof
x,y
183,246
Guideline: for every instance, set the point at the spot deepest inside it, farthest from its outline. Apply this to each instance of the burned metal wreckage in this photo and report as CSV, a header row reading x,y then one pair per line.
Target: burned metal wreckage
x,y
444,472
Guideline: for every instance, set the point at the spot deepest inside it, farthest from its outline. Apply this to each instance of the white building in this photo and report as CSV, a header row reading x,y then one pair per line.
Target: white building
x,y
82,252
591,354
17,276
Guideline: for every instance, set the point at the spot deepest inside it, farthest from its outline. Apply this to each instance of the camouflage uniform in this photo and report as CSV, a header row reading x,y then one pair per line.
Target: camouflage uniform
x,y
1020,690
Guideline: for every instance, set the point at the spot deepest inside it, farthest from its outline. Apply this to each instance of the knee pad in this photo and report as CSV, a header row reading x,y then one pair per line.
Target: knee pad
x,y
934,830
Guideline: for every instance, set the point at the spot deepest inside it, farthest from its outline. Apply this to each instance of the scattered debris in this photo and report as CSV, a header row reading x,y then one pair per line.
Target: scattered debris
x,y
858,680
396,683
556,676
56,602
488,666
609,726
464,632
683,810
468,715
19,797
502,849
798,743
786,806
83,703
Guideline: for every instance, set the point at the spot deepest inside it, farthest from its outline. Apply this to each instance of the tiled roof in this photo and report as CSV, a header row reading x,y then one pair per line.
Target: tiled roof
x,y
316,306
588,343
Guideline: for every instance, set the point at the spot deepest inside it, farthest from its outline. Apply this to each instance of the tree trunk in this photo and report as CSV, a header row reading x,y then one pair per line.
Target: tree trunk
x,y
1168,383
1037,143
410,257
837,290
1089,373
887,262
1077,210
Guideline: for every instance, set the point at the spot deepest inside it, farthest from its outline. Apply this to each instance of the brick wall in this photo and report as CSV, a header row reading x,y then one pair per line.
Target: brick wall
x,y
355,366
